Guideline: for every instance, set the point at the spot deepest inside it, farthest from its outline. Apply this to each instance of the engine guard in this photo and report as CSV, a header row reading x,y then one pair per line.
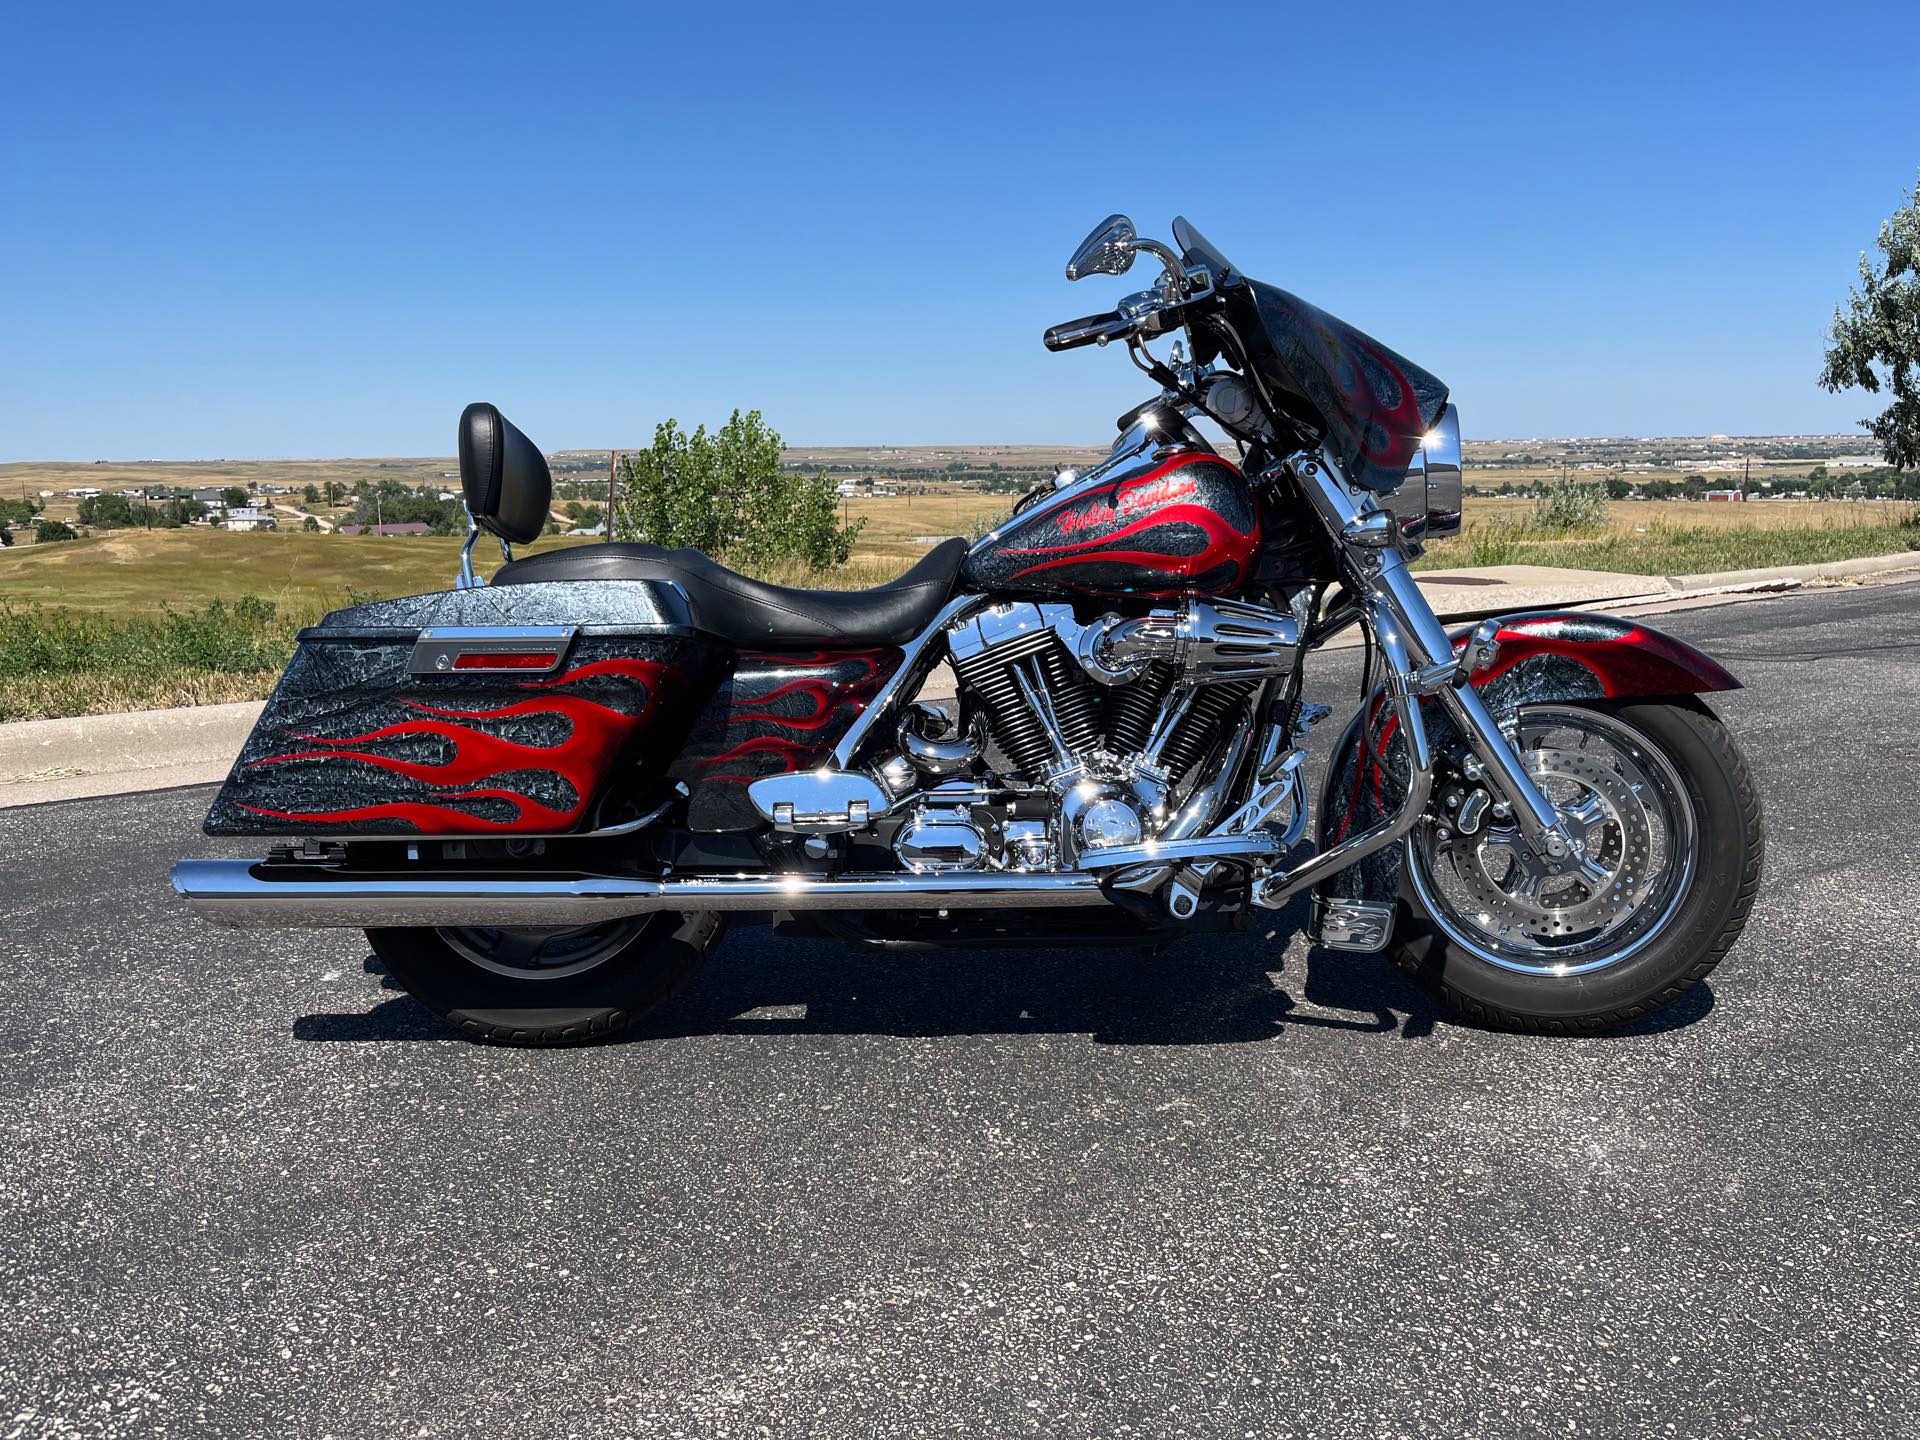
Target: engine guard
x,y
1541,656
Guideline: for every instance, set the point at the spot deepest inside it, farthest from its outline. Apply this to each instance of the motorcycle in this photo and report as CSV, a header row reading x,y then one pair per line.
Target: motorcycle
x,y
543,795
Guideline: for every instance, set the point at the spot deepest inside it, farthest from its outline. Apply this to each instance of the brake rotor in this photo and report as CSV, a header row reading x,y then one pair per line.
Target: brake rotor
x,y
1519,890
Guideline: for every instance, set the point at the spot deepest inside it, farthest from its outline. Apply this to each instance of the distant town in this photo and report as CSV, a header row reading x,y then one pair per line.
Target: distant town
x,y
400,497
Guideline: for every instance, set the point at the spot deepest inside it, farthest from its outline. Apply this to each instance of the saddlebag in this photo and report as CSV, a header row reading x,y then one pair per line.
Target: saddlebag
x,y
540,709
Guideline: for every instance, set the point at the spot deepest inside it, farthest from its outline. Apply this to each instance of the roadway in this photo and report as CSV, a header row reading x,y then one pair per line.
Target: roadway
x,y
1240,1188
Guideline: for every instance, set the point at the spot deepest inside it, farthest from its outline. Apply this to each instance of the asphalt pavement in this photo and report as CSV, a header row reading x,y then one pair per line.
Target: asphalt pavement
x,y
1236,1189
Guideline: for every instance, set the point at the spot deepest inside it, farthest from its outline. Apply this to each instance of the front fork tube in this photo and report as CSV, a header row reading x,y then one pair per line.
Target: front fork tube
x,y
1433,670
1426,661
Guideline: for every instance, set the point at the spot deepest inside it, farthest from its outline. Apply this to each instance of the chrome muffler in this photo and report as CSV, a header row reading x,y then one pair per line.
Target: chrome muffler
x,y
251,895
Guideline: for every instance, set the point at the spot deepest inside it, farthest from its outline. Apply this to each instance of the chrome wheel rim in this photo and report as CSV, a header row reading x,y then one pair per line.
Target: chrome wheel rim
x,y
1623,802
544,953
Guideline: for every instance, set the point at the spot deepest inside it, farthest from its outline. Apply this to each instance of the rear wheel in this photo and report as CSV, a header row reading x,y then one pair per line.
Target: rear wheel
x,y
1671,840
548,986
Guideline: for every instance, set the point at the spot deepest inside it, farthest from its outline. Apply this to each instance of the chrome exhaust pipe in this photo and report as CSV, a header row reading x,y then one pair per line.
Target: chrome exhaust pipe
x,y
250,895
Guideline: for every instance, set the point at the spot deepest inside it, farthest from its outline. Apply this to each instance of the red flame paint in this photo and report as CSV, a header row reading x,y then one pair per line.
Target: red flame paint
x,y
833,704
1155,502
596,734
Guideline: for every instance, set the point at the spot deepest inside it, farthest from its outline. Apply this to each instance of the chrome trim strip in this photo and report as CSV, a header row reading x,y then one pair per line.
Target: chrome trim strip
x,y
249,895
497,632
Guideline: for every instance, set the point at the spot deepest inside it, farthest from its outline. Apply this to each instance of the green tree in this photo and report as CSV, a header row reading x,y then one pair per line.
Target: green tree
x,y
670,491
234,497
756,495
1875,339
821,539
310,524
110,511
391,503
56,530
726,494
310,494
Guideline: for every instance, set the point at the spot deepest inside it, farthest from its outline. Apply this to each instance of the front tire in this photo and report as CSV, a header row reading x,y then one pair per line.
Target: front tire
x,y
548,987
1619,946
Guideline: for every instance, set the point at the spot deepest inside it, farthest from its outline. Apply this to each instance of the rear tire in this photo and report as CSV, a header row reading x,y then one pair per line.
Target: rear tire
x,y
1688,945
623,977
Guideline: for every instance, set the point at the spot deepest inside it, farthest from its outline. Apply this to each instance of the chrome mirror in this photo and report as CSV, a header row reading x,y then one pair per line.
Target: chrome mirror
x,y
1109,250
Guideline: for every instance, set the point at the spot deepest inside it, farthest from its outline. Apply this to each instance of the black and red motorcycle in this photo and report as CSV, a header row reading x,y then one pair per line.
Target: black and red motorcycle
x,y
542,796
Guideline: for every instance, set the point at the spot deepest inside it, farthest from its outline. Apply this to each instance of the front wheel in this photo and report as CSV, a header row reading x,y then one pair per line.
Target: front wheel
x,y
548,986
1670,837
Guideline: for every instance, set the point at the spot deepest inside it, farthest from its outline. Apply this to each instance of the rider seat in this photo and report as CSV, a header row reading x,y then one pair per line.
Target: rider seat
x,y
508,490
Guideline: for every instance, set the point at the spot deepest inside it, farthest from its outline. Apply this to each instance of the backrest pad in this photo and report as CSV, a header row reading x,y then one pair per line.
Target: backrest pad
x,y
505,477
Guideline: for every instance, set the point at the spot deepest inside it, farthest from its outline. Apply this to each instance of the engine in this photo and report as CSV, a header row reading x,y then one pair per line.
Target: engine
x,y
1108,732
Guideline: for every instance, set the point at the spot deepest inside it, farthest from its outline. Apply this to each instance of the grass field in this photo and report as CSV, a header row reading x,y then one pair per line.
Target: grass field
x,y
1680,537
175,617
136,572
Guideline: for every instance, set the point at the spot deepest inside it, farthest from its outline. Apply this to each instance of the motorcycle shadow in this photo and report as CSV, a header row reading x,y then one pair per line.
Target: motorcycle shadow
x,y
1202,990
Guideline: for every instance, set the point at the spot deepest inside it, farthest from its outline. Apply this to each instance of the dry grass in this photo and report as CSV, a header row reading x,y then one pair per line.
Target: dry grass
x,y
1679,537
111,692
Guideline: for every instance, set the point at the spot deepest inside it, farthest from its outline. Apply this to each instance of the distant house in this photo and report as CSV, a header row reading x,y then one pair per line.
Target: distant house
x,y
83,492
251,520
411,527
209,497
1735,495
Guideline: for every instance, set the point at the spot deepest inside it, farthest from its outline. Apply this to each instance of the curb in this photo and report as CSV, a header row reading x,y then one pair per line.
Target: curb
x,y
94,755
1785,577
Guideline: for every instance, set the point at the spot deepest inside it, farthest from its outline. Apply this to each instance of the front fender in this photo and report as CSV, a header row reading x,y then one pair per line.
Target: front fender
x,y
1542,656
1573,655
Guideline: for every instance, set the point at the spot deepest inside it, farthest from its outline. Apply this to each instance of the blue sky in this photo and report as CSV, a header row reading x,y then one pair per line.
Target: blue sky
x,y
291,230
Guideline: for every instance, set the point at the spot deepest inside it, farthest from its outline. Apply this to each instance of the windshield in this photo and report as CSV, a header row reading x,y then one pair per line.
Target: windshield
x,y
1376,406
1197,250
1373,406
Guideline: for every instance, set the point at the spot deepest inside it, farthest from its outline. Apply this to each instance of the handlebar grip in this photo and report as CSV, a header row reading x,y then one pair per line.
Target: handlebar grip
x,y
1087,330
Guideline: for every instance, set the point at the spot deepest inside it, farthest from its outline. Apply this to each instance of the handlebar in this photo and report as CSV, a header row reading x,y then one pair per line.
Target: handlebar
x,y
1088,330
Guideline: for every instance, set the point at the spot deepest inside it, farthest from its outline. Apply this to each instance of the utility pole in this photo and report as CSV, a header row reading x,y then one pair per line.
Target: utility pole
x,y
613,489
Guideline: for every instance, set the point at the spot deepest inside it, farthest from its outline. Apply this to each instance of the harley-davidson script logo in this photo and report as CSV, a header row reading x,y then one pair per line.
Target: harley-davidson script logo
x,y
1136,501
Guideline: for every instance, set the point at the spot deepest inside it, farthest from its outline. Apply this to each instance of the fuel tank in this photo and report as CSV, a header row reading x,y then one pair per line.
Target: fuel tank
x,y
1154,520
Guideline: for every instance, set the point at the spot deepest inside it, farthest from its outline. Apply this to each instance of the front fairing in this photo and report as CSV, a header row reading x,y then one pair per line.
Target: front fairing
x,y
1375,406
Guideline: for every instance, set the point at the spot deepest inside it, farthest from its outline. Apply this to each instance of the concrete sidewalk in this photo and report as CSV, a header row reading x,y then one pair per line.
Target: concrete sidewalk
x,y
42,760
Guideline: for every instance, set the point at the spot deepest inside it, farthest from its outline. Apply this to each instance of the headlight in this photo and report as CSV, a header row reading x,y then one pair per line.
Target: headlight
x,y
1437,463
